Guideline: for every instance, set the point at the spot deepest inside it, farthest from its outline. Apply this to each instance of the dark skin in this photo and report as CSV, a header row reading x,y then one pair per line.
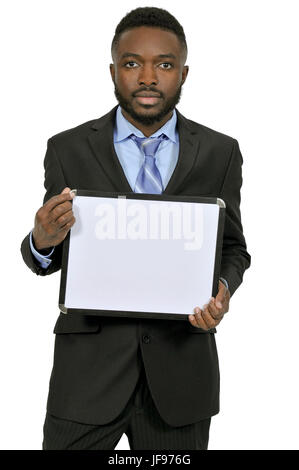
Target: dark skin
x,y
149,62
213,312
53,221
148,57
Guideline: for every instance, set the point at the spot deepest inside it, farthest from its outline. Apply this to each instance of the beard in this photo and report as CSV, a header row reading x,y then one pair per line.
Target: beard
x,y
148,120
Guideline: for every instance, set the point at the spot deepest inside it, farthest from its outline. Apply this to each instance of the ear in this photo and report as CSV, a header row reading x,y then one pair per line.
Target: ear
x,y
112,72
185,73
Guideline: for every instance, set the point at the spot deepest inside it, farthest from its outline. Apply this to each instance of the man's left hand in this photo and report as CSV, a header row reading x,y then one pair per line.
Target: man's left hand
x,y
212,313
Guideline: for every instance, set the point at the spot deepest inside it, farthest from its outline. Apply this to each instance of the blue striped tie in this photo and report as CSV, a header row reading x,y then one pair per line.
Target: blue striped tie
x,y
149,179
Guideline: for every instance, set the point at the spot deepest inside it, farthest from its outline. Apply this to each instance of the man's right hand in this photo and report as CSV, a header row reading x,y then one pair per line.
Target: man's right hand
x,y
53,220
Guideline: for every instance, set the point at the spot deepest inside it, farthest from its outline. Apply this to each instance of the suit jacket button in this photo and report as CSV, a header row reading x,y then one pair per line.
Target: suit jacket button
x,y
146,339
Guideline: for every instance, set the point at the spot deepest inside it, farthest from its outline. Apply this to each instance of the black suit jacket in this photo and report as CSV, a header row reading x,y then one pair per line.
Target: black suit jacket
x,y
97,360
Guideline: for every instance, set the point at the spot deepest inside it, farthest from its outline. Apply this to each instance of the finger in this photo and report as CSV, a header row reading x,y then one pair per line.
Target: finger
x,y
64,219
199,321
58,199
62,233
193,319
68,225
59,211
65,190
213,310
208,319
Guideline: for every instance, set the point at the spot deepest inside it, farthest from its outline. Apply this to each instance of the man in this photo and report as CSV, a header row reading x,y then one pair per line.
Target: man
x,y
154,380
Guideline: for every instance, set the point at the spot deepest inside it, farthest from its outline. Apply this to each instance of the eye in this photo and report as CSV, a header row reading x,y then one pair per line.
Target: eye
x,y
131,64
166,65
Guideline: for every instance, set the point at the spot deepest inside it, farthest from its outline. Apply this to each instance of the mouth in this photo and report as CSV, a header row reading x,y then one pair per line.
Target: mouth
x,y
147,98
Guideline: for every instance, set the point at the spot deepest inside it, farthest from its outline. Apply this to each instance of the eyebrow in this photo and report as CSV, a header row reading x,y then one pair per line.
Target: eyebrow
x,y
160,56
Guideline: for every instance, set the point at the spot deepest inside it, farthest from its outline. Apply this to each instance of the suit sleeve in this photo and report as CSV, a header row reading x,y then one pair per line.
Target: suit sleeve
x,y
235,258
54,183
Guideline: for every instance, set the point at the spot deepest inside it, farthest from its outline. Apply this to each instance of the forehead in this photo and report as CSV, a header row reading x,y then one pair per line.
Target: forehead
x,y
148,41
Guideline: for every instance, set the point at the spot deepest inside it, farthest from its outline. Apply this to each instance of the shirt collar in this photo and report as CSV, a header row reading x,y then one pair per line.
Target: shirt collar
x,y
123,128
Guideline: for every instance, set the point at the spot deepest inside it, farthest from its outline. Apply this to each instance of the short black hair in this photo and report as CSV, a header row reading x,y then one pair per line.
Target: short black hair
x,y
152,17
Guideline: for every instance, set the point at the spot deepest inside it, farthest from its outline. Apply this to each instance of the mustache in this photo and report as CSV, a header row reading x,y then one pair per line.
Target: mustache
x,y
148,89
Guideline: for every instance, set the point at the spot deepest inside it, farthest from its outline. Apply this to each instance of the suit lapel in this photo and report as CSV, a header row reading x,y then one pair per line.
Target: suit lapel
x,y
101,141
189,147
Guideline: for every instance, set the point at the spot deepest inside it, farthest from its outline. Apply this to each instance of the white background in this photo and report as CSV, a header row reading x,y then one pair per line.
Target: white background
x,y
243,81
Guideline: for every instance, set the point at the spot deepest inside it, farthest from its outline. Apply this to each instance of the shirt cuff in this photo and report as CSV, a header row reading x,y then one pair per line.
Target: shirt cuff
x,y
43,260
224,282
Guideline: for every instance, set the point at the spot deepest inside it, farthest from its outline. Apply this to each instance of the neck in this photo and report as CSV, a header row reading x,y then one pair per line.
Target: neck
x,y
147,130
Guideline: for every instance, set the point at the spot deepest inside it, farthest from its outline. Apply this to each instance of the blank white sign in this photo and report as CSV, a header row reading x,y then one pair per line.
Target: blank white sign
x,y
141,255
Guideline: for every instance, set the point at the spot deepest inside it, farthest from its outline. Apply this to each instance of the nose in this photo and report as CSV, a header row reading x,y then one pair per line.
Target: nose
x,y
147,76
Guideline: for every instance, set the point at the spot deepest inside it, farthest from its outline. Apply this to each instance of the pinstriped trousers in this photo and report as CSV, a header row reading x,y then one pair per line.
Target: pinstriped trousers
x,y
139,420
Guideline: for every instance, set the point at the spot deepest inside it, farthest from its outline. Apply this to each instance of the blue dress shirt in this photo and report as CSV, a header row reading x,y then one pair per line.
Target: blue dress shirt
x,y
44,260
131,157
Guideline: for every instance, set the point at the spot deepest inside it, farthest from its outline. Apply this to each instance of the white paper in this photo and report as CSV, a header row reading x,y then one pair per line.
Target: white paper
x,y
141,255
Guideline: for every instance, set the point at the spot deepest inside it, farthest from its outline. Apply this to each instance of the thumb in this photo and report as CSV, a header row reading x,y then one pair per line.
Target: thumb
x,y
220,296
65,190
218,302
